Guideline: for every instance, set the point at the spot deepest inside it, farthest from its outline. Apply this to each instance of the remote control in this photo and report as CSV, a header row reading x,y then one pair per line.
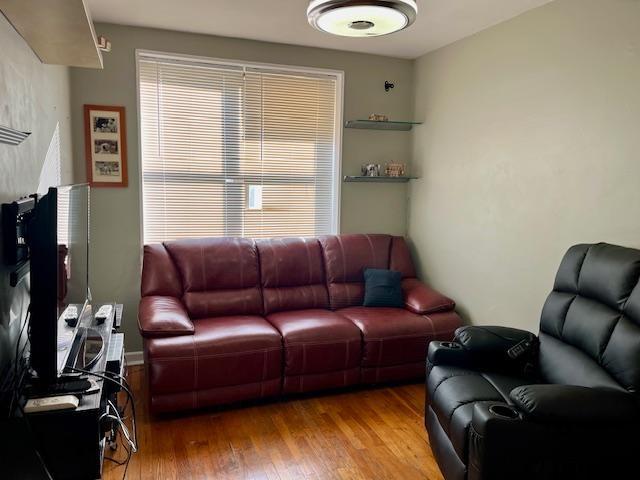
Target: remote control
x,y
63,402
70,315
103,313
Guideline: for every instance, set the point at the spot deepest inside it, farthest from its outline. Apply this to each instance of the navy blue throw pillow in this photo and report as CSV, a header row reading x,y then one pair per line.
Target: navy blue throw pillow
x,y
382,288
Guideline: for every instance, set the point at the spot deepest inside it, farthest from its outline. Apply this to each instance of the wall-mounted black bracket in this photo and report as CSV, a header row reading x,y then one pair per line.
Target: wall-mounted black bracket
x,y
16,217
388,85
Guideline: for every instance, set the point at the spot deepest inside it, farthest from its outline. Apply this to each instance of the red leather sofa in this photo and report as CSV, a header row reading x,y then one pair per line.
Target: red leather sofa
x,y
230,319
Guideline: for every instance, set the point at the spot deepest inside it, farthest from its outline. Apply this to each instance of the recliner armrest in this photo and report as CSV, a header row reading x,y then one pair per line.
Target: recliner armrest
x,y
488,348
574,404
422,299
447,353
160,316
490,340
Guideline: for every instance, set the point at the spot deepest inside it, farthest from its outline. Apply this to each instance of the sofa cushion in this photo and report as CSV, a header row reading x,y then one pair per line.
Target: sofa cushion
x,y
220,276
382,288
292,274
223,351
317,341
452,393
391,336
345,258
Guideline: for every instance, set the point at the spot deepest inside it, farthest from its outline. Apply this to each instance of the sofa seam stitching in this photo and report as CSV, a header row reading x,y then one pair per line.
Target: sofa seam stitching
x,y
244,352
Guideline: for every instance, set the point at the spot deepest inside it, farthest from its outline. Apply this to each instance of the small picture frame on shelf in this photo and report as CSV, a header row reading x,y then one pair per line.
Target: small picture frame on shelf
x,y
395,169
371,170
378,117
105,146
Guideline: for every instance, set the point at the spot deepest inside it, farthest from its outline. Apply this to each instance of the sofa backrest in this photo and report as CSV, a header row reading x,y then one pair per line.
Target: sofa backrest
x,y
590,324
220,276
347,256
159,273
238,276
292,274
400,258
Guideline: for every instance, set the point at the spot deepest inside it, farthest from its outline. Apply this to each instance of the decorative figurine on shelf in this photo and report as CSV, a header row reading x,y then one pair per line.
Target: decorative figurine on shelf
x,y
371,170
376,117
394,169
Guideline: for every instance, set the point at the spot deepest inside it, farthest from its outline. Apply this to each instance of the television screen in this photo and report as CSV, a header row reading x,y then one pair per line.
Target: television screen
x,y
59,247
73,246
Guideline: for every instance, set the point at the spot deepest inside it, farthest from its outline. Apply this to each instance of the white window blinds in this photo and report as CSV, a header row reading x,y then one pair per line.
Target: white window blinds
x,y
233,150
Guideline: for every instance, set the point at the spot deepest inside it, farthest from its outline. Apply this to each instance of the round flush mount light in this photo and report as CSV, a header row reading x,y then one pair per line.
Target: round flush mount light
x,y
361,18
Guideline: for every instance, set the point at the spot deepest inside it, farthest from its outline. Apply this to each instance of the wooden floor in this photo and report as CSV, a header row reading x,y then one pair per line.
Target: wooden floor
x,y
363,434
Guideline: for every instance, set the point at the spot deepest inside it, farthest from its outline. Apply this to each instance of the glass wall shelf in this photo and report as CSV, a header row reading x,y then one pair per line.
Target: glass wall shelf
x,y
381,179
374,125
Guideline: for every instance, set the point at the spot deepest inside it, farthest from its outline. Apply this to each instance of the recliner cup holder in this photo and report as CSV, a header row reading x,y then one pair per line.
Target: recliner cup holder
x,y
504,411
450,345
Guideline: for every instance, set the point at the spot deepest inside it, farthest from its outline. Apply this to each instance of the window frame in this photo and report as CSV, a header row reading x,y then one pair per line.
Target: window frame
x,y
336,206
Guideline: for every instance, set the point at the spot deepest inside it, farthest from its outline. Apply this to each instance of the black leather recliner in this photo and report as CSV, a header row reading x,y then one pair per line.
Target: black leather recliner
x,y
562,405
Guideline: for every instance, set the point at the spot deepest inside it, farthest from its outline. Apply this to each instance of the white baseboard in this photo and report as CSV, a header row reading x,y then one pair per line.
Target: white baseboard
x,y
134,358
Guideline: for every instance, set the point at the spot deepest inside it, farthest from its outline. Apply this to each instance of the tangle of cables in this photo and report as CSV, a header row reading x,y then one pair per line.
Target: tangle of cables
x,y
128,434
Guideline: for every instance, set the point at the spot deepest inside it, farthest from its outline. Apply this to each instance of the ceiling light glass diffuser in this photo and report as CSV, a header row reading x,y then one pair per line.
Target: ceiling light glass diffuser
x,y
361,18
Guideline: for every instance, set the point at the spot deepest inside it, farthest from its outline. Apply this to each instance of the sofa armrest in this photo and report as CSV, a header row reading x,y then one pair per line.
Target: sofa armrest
x,y
574,404
422,299
160,316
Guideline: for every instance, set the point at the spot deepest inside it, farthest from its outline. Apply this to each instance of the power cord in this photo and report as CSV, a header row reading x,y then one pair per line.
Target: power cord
x,y
121,462
124,385
123,427
17,380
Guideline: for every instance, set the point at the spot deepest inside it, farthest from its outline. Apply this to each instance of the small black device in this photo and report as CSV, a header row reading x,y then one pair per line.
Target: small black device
x,y
72,322
70,315
115,354
15,224
117,321
104,312
65,386
16,217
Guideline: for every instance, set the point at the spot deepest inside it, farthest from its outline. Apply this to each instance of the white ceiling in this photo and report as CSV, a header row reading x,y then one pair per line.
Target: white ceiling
x,y
439,23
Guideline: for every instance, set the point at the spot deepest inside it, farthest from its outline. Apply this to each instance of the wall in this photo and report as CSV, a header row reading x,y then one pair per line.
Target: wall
x,y
33,97
531,144
116,243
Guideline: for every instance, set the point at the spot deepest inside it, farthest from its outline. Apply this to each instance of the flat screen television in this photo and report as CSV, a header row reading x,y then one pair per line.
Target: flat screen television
x,y
59,253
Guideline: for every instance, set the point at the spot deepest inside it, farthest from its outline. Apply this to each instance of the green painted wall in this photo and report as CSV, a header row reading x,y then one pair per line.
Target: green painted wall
x,y
116,251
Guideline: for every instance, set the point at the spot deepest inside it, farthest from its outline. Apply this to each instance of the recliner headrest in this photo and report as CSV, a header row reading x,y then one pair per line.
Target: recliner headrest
x,y
606,273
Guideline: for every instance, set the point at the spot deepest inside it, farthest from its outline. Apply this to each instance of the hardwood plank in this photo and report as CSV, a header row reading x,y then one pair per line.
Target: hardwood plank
x,y
356,435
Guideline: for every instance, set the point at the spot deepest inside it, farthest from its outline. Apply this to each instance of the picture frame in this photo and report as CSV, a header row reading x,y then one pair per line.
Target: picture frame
x,y
105,146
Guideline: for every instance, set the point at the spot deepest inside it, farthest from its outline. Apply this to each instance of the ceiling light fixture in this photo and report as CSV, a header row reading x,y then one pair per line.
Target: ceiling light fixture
x,y
361,18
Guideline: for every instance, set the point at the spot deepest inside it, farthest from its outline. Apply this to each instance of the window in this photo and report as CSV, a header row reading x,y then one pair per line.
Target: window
x,y
237,149
254,201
